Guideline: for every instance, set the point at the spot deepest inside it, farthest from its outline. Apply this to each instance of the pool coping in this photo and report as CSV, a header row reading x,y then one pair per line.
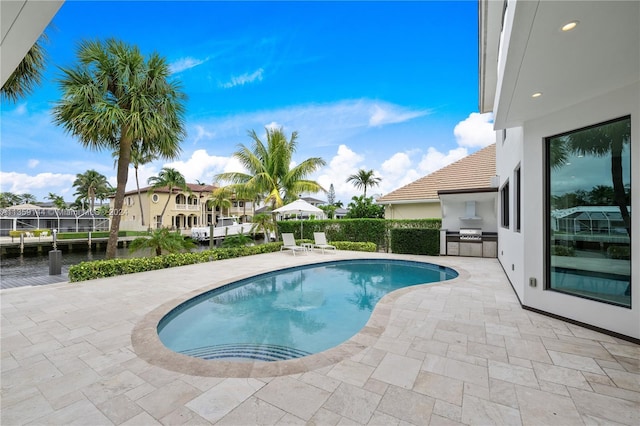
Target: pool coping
x,y
148,346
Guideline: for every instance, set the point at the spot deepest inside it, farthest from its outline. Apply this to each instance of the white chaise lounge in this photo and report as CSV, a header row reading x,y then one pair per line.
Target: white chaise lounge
x,y
321,242
289,243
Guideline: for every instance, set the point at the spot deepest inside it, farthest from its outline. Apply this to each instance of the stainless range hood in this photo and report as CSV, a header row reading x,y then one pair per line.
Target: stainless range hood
x,y
470,211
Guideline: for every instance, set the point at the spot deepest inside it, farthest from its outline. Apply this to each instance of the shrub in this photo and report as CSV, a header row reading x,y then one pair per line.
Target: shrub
x,y
355,246
415,241
35,232
113,267
619,252
557,250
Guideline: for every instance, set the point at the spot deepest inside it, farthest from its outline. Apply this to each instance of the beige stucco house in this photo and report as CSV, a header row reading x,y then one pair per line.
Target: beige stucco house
x,y
420,200
185,209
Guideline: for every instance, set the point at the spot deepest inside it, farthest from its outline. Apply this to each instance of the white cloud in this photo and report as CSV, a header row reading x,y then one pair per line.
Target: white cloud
x,y
273,126
398,171
183,64
202,133
32,163
319,125
21,109
345,163
39,185
385,113
202,166
434,160
243,79
476,131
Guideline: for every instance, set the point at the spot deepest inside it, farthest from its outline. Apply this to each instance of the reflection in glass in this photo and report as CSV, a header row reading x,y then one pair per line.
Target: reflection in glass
x,y
589,212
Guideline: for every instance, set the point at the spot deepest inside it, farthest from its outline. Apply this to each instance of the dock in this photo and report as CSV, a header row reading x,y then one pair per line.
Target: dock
x,y
33,281
40,245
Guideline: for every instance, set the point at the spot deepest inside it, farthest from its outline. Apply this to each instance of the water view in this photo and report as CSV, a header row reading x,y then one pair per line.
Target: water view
x,y
30,265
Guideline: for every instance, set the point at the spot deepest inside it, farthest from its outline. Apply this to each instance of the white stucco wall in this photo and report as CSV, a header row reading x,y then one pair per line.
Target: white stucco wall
x,y
522,255
511,243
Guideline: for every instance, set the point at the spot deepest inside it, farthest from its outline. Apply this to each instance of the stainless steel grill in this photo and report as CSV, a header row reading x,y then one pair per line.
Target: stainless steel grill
x,y
471,234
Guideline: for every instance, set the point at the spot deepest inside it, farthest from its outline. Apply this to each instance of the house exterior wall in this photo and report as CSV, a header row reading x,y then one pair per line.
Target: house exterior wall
x,y
522,254
413,211
179,215
509,148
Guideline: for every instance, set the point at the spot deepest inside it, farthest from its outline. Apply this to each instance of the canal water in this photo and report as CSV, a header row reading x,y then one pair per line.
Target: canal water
x,y
36,265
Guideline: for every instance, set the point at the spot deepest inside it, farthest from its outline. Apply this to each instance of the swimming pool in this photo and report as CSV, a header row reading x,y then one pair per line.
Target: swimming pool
x,y
289,313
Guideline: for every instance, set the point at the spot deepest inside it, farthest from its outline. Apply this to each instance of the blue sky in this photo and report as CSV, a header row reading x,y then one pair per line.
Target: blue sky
x,y
388,86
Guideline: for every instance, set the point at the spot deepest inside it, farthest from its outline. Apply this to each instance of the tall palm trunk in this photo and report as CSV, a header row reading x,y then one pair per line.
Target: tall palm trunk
x,y
139,197
92,198
165,205
619,194
124,157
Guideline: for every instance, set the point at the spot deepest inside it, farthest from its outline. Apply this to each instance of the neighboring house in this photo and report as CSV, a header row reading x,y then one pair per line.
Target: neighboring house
x,y
313,201
30,217
185,210
419,199
563,82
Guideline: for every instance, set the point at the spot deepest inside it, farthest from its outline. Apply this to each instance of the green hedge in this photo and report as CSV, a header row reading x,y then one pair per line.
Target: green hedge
x,y
113,267
355,246
35,232
377,231
415,241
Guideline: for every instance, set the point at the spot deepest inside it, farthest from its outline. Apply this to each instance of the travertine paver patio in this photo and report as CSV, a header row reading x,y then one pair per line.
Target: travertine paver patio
x,y
460,352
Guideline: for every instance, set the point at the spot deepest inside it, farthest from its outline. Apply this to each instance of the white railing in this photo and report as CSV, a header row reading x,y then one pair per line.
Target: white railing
x,y
192,207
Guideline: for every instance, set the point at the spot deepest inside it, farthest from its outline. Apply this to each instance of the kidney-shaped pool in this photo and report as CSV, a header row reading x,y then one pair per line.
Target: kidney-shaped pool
x,y
289,313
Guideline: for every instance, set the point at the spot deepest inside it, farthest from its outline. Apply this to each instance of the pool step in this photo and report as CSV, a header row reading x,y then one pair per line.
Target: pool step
x,y
246,351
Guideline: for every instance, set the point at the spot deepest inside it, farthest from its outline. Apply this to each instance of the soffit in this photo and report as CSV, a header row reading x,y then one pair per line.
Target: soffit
x,y
600,55
22,23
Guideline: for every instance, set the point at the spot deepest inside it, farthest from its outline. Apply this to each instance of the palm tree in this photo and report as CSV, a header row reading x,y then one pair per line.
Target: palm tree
x,y
27,75
602,141
141,154
263,222
364,179
116,97
221,198
90,185
8,199
58,200
162,239
269,169
28,198
167,178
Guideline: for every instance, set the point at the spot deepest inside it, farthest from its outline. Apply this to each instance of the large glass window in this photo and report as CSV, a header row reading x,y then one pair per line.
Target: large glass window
x,y
504,205
518,197
588,226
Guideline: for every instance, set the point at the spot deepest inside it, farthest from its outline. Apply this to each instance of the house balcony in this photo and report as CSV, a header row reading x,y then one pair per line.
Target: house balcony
x,y
188,207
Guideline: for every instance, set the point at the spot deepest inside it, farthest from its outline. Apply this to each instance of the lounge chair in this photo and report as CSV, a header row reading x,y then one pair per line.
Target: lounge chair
x,y
289,243
321,242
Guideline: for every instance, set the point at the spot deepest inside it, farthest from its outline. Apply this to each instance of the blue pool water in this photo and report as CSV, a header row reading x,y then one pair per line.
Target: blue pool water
x,y
289,313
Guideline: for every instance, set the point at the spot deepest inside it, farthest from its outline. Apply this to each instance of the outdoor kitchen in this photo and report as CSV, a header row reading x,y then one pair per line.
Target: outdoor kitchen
x,y
469,223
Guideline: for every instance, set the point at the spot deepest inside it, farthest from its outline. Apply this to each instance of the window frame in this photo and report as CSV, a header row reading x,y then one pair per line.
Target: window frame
x,y
505,210
547,215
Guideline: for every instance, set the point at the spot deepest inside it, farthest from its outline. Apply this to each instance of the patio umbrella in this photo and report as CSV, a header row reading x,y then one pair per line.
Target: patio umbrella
x,y
299,206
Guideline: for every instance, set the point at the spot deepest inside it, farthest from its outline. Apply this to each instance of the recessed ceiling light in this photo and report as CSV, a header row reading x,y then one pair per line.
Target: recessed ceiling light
x,y
569,26
536,95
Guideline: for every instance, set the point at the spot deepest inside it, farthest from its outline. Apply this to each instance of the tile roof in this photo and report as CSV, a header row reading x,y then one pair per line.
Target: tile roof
x,y
194,187
471,172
